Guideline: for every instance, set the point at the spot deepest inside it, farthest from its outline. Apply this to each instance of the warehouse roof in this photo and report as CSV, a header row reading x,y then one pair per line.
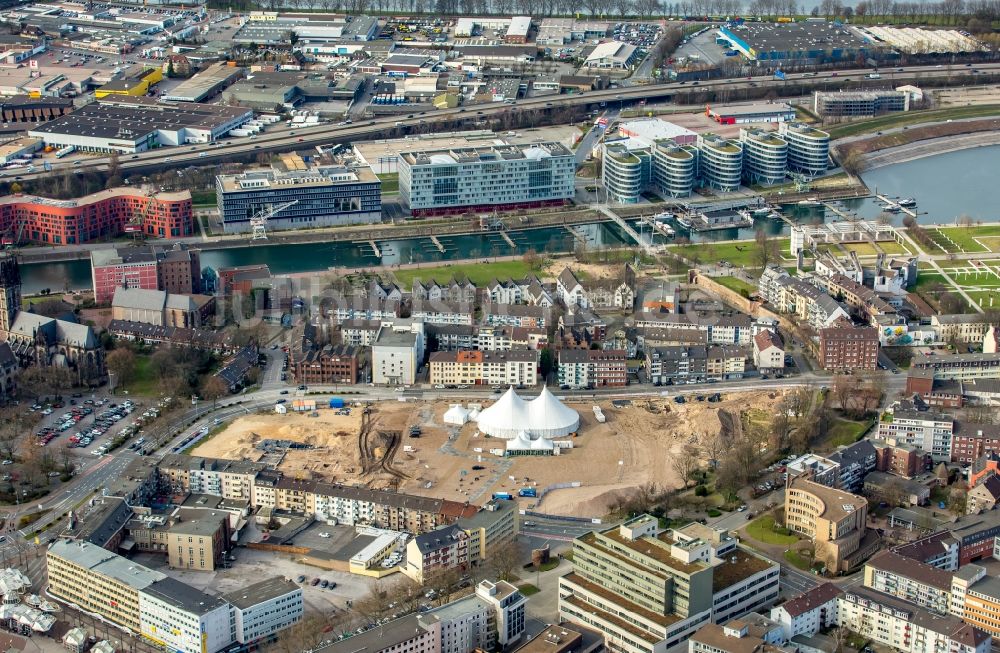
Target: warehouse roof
x,y
796,37
134,121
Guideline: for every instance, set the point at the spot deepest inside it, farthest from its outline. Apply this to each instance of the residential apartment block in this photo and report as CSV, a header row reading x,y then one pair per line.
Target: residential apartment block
x,y
174,270
927,430
844,348
332,364
512,367
593,368
807,302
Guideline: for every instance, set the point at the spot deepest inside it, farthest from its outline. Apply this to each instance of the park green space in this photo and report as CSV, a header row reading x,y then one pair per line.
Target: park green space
x,y
478,273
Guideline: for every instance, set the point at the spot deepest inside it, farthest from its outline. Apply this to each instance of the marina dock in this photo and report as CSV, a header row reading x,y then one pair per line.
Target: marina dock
x,y
375,248
437,243
627,228
503,234
909,212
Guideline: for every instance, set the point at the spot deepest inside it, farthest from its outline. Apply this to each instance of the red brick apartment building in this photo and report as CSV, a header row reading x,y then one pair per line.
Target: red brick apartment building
x,y
96,216
328,365
176,270
846,348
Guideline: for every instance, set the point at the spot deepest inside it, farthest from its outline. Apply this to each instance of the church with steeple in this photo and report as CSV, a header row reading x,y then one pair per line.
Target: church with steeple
x,y
45,341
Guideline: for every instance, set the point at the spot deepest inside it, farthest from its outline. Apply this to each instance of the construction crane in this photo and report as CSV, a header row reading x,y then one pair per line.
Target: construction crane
x,y
136,223
258,221
12,239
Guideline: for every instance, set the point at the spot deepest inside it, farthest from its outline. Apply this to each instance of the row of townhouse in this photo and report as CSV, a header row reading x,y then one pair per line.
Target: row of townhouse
x,y
528,290
881,618
517,367
618,292
809,303
485,338
717,328
679,365
269,489
968,593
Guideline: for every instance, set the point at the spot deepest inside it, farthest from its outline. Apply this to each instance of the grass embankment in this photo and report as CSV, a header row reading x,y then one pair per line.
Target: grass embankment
x,y
896,120
143,382
478,273
736,285
739,254
764,530
844,432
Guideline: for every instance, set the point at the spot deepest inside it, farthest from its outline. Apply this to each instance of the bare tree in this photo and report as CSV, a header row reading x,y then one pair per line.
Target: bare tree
x,y
504,560
121,361
685,463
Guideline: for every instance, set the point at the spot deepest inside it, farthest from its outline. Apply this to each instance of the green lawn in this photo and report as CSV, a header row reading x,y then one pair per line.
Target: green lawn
x,y
528,589
143,382
894,120
844,432
763,530
478,273
966,236
738,253
736,285
203,198
799,561
390,182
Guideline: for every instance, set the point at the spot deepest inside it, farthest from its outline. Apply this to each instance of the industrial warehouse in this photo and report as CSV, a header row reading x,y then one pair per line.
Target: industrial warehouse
x,y
130,124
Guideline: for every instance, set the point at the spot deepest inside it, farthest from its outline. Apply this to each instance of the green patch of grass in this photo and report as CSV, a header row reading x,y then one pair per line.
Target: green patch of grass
x,y
894,120
764,530
478,273
144,382
736,285
547,566
528,589
964,238
844,432
204,198
390,182
714,513
738,253
797,560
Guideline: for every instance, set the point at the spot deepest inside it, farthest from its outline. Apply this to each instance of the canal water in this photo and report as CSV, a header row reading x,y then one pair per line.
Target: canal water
x,y
313,257
945,187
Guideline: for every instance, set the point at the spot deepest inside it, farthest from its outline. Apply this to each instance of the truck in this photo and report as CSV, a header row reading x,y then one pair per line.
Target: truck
x,y
874,75
527,492
506,496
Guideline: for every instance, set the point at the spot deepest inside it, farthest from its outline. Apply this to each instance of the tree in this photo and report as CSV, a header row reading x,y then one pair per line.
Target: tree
x,y
504,560
685,463
532,259
957,501
766,248
854,163
545,360
122,363
214,388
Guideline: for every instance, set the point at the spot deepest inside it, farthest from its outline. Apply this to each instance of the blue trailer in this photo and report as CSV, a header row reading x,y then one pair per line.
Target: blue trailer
x,y
503,495
336,402
527,492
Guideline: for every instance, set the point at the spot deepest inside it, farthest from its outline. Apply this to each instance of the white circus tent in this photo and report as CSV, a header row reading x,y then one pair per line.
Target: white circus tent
x,y
543,417
456,415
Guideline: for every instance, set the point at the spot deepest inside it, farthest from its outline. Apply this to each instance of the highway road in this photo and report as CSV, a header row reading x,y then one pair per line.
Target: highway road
x,y
308,137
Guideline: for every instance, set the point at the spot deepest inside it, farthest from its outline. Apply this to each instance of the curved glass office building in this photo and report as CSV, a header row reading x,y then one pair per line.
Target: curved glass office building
x,y
720,161
674,168
808,148
625,172
765,157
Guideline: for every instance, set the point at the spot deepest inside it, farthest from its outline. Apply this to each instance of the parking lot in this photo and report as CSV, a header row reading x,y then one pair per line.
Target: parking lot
x,y
702,48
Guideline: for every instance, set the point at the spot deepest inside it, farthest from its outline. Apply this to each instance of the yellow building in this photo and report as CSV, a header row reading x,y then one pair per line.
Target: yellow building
x,y
135,86
98,581
833,519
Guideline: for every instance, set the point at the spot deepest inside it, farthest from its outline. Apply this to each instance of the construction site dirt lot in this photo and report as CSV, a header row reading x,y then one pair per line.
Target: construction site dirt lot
x,y
633,447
